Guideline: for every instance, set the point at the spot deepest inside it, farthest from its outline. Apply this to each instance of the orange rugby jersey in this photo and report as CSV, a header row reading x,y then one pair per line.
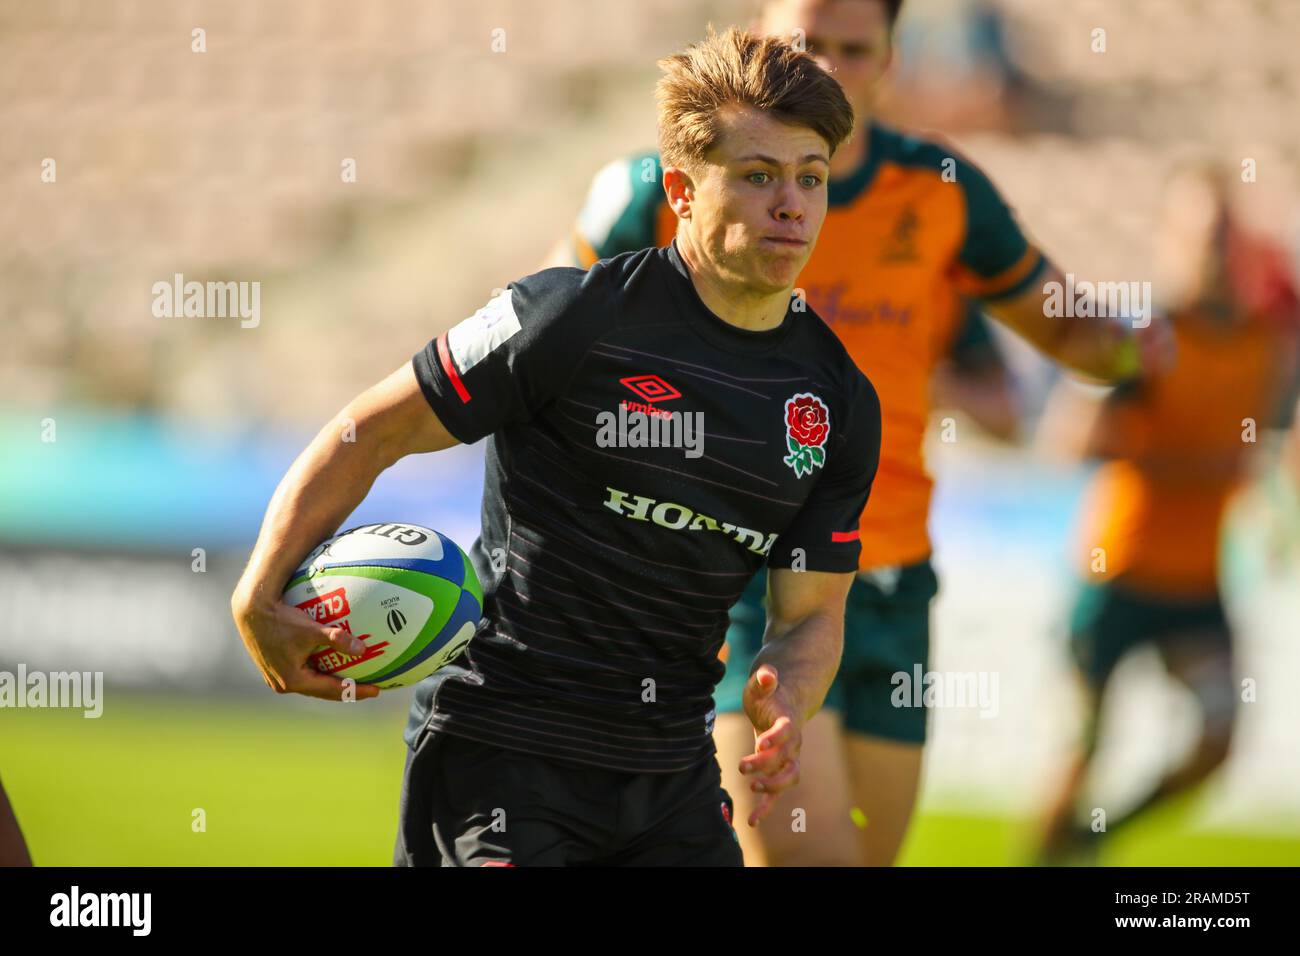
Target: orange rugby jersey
x,y
1159,526
909,234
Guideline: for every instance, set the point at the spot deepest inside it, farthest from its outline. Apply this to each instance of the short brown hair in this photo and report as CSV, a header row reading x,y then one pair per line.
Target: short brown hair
x,y
764,72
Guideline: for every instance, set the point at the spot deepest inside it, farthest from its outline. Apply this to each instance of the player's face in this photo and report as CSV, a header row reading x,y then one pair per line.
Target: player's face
x,y
760,199
849,38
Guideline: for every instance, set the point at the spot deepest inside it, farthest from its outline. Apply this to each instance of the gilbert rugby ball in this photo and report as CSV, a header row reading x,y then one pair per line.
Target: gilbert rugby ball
x,y
409,593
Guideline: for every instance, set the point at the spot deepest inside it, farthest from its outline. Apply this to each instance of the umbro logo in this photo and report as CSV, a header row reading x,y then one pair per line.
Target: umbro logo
x,y
644,424
650,388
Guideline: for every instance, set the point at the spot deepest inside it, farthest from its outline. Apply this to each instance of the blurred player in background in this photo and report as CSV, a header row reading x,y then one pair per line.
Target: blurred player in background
x,y
913,236
13,848
1175,446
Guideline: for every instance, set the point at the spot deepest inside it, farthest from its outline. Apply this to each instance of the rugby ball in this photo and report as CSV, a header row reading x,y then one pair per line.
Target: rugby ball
x,y
409,593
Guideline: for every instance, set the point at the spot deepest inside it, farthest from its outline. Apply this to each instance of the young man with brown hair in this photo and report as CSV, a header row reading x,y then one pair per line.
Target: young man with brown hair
x,y
914,232
580,730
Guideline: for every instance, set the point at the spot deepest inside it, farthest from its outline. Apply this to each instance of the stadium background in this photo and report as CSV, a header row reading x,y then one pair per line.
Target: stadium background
x,y
171,433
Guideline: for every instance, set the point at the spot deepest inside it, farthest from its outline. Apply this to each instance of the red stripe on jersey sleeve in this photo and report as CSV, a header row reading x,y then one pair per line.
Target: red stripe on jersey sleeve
x,y
449,367
840,536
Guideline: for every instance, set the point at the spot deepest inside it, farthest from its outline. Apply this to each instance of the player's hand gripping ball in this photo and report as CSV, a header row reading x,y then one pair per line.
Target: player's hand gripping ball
x,y
408,593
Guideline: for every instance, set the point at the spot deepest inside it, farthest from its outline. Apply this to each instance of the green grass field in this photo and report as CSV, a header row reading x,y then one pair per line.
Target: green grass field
x,y
294,782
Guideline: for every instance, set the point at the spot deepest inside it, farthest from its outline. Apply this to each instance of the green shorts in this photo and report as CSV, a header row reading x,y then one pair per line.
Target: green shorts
x,y
886,631
1110,620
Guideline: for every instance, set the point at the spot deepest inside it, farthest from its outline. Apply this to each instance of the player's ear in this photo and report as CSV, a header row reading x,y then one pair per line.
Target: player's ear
x,y
680,191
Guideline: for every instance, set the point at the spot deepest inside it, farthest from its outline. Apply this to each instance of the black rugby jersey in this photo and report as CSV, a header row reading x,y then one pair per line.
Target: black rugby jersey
x,y
608,564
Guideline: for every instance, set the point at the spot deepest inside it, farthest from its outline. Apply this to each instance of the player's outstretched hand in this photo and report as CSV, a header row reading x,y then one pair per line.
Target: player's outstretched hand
x,y
778,736
280,639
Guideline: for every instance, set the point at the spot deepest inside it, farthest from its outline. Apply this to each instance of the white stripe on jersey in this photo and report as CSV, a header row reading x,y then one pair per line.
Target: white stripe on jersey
x,y
472,339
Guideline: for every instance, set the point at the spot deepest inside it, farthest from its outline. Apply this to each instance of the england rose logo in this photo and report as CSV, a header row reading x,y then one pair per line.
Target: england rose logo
x,y
807,426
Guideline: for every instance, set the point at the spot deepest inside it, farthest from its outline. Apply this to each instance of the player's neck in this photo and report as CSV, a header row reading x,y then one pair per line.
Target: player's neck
x,y
733,302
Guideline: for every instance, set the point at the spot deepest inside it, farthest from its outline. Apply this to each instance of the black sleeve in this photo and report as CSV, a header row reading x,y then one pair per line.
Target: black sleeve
x,y
825,531
508,359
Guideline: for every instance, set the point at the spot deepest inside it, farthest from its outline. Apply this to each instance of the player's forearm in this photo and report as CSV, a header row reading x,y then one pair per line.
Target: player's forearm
x,y
323,486
1101,348
806,656
331,477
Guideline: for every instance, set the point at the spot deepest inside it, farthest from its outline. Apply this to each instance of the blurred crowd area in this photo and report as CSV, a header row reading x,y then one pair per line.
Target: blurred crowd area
x,y
211,140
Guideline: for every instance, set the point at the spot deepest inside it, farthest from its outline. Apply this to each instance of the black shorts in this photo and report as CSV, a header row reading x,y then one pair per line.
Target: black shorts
x,y
466,803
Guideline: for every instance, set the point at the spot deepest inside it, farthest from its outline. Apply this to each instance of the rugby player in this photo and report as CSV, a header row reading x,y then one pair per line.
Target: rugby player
x,y
1174,448
13,848
913,232
580,732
